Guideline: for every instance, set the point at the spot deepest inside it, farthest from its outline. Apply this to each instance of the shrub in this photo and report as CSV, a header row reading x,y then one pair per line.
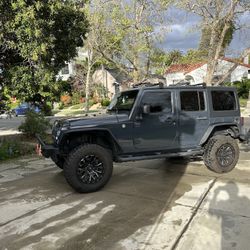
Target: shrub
x,y
243,88
66,99
76,98
61,105
46,109
10,149
34,124
105,102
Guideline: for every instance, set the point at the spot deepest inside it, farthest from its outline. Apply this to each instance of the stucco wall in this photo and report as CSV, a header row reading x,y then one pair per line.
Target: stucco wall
x,y
107,80
71,69
173,78
200,73
241,71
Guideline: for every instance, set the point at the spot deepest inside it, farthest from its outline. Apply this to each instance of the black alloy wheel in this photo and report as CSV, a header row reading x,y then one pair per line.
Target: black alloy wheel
x,y
221,153
90,169
225,155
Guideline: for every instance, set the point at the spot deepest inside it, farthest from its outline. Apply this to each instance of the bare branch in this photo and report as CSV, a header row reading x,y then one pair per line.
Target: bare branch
x,y
234,66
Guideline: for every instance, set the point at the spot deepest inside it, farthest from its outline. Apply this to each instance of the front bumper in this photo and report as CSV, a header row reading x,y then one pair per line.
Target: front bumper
x,y
47,149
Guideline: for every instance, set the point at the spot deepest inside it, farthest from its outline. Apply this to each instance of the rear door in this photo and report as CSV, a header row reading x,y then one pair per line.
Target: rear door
x,y
193,117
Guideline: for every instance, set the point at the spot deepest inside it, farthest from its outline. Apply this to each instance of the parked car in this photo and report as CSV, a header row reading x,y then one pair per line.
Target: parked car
x,y
149,123
23,108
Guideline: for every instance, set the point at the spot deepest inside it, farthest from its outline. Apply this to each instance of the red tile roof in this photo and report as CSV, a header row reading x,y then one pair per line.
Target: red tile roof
x,y
235,61
184,68
187,68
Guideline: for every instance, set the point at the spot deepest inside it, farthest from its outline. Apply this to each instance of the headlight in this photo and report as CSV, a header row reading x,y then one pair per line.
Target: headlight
x,y
58,134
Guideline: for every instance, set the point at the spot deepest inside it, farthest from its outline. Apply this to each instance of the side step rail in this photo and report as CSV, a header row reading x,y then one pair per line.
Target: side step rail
x,y
158,156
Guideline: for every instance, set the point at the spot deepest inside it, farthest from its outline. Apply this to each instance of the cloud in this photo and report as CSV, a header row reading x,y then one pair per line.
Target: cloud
x,y
184,32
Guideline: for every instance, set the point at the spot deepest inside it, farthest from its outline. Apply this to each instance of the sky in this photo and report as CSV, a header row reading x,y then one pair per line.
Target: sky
x,y
184,33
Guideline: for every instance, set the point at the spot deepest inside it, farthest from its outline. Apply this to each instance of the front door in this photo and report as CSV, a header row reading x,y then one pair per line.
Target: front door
x,y
157,129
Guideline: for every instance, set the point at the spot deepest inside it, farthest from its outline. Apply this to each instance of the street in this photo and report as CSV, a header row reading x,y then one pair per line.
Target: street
x,y
10,126
157,204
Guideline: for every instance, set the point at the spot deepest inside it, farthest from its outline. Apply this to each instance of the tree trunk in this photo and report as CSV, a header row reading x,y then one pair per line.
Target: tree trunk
x,y
87,88
136,71
216,45
236,64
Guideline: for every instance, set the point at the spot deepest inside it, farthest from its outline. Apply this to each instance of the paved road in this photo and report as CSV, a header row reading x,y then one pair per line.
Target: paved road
x,y
10,126
147,205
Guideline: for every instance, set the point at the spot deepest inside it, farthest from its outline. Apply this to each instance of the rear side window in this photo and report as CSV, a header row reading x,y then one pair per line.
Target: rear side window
x,y
223,100
192,101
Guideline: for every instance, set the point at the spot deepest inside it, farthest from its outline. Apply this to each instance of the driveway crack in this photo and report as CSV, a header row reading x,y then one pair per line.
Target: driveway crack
x,y
203,197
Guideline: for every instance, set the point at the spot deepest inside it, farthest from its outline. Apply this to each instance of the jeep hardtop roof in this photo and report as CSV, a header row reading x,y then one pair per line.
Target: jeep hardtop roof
x,y
196,86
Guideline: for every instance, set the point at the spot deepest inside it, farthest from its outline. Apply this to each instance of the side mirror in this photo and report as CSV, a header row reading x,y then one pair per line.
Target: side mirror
x,y
146,109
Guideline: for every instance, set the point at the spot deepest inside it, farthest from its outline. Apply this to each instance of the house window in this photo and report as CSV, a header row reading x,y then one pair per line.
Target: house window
x,y
192,101
65,69
189,79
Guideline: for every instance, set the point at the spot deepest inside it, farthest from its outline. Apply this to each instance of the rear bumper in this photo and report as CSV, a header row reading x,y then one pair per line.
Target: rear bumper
x,y
47,149
245,135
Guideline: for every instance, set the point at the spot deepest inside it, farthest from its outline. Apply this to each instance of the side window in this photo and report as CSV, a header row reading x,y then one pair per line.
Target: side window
x,y
192,100
159,102
223,100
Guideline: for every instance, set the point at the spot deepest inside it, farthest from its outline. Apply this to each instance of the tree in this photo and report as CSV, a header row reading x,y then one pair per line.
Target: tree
x,y
160,59
219,18
126,33
193,56
206,35
36,38
121,35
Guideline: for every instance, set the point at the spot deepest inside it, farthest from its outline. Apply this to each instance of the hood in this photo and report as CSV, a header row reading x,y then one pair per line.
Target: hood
x,y
92,121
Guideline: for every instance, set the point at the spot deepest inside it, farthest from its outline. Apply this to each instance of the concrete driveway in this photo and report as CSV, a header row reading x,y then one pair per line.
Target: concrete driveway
x,y
147,205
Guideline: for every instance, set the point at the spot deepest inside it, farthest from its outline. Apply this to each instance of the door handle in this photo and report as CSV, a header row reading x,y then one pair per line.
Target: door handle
x,y
201,118
170,120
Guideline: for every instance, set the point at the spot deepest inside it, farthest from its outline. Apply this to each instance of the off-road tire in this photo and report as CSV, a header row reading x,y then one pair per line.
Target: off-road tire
x,y
214,151
73,167
59,161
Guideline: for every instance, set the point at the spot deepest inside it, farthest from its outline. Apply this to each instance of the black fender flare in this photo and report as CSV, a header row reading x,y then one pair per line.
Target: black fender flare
x,y
115,145
227,128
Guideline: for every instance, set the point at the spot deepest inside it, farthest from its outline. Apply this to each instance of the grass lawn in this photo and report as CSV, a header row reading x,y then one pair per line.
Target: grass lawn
x,y
74,110
243,102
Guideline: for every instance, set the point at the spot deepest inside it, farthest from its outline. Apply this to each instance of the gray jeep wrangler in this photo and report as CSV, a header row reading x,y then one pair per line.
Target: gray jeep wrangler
x,y
149,123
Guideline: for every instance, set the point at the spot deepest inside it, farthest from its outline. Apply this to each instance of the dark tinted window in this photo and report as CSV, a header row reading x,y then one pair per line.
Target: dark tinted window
x,y
192,101
159,102
223,100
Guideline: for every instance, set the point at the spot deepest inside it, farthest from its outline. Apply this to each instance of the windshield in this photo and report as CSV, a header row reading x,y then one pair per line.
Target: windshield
x,y
123,101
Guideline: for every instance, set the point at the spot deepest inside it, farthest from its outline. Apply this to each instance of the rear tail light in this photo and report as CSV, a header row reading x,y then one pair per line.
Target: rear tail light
x,y
242,121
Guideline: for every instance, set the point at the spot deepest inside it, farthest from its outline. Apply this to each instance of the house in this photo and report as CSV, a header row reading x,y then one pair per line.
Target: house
x,y
70,67
67,71
196,73
112,80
